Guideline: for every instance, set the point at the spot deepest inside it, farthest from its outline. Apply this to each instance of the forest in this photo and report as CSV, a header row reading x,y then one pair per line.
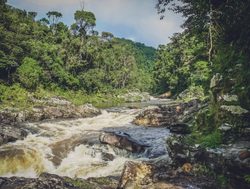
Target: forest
x,y
47,57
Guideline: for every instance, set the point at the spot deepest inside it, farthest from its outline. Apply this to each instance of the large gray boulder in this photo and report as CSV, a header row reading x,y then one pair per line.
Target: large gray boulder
x,y
175,116
122,140
10,134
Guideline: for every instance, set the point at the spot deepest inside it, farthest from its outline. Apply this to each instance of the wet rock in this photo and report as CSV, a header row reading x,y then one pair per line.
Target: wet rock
x,y
167,115
10,134
178,151
227,133
135,173
107,156
50,181
245,154
180,128
225,127
121,140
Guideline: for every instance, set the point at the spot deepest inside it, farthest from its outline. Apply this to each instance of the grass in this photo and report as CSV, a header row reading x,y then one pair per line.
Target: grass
x,y
211,140
16,96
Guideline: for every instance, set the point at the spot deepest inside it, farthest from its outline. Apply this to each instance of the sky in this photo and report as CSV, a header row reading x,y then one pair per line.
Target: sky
x,y
132,19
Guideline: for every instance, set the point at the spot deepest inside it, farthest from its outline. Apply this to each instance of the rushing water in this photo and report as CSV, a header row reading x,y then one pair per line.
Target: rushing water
x,y
72,148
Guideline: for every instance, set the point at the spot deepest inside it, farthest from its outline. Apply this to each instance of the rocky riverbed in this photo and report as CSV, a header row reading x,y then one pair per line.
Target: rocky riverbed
x,y
125,147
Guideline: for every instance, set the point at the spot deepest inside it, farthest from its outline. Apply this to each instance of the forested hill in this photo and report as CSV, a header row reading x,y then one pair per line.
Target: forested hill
x,y
46,54
145,56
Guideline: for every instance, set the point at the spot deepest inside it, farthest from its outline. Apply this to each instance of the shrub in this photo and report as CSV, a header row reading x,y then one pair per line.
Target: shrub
x,y
29,73
212,140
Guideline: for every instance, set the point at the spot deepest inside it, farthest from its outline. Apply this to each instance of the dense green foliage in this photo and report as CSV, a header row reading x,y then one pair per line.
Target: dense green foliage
x,y
48,54
181,63
29,73
215,40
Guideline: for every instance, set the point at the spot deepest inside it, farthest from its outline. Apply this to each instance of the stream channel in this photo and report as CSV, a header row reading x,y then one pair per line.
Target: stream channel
x,y
72,147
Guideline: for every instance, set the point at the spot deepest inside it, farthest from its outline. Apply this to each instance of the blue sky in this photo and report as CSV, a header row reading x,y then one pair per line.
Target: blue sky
x,y
133,19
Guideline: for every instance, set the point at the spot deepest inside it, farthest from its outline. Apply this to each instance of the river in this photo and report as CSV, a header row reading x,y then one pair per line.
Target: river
x,y
72,148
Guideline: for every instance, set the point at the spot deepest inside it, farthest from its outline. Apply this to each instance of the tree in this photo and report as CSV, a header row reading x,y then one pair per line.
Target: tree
x,y
107,36
32,15
176,60
54,17
85,22
44,21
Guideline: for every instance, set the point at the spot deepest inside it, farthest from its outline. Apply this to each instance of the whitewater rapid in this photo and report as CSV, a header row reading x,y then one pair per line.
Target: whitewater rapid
x,y
72,148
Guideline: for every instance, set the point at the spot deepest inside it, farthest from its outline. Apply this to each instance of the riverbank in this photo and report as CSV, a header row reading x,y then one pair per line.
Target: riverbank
x,y
15,96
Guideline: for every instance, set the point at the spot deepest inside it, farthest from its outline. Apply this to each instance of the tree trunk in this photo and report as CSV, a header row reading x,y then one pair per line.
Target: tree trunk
x,y
210,34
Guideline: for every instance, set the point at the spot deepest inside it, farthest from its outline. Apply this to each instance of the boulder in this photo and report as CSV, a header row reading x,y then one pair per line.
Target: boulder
x,y
178,150
107,156
233,160
122,140
180,128
11,133
166,95
134,174
45,112
154,175
167,115
51,181
10,116
238,119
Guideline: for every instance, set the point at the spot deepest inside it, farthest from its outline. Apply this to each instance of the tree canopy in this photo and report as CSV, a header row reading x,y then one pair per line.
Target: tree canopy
x,y
47,53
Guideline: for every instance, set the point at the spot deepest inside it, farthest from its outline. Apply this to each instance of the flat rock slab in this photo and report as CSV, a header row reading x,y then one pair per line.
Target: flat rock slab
x,y
51,181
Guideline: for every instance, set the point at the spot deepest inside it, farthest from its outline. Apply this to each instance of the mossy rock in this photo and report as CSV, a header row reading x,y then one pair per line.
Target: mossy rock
x,y
81,184
110,182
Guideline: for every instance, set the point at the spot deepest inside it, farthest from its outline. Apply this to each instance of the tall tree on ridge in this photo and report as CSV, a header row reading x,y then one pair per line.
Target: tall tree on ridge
x,y
54,17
